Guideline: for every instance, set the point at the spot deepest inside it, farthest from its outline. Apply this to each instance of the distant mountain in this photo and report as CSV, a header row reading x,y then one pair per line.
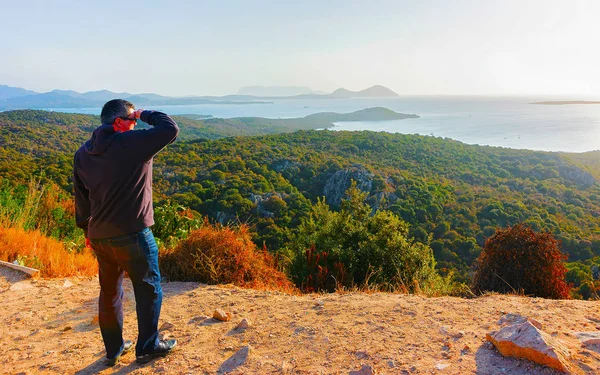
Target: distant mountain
x,y
74,99
376,91
17,98
8,92
275,90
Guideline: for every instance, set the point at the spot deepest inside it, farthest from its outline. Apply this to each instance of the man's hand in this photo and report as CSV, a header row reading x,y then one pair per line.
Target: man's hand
x,y
137,114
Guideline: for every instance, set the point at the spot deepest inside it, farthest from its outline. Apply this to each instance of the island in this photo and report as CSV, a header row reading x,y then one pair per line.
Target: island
x,y
197,126
567,102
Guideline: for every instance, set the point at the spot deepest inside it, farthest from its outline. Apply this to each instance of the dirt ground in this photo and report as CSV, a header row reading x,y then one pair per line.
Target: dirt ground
x,y
50,326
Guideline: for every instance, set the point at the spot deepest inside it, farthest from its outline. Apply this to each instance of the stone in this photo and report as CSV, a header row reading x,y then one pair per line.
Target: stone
x,y
525,340
588,338
245,323
441,366
67,328
67,284
221,315
95,321
167,326
365,370
509,319
236,360
21,285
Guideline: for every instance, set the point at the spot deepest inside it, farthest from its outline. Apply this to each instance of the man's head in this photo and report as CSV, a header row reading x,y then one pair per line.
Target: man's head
x,y
118,113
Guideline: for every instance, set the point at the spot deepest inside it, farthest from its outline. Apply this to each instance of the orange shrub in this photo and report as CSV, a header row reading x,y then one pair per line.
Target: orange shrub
x,y
48,255
216,254
517,259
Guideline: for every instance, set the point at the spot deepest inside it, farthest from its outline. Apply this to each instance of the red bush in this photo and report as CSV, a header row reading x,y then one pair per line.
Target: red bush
x,y
323,272
519,260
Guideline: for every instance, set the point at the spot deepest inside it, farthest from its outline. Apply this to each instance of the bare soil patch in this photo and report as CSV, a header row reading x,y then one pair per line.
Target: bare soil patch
x,y
50,326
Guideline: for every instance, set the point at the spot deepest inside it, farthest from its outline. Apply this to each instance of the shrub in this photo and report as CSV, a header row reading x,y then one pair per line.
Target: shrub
x,y
365,250
217,254
33,249
517,259
173,223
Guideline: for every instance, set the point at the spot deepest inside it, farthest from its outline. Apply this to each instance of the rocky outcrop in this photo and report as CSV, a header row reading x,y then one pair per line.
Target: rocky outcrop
x,y
522,338
260,199
335,188
283,164
576,175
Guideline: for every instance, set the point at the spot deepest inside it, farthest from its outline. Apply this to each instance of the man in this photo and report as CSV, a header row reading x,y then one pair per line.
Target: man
x,y
112,178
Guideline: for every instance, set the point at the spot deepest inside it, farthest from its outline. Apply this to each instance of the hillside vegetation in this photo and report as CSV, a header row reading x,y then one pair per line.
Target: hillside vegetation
x,y
452,196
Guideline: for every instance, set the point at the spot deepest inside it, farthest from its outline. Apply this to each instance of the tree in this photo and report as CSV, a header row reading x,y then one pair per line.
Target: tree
x,y
357,247
517,259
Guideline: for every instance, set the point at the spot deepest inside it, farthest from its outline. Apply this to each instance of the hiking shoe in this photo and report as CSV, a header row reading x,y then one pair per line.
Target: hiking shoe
x,y
164,347
127,346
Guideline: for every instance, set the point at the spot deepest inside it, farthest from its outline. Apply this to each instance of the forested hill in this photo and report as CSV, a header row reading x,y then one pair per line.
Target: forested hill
x,y
453,195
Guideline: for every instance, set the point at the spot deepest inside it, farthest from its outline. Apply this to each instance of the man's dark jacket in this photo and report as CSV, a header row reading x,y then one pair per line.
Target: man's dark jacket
x,y
112,177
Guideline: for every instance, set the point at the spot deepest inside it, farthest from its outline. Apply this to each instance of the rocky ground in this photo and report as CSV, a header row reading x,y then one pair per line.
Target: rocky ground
x,y
50,326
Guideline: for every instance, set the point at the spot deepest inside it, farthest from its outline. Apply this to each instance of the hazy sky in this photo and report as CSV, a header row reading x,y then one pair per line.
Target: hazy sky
x,y
504,47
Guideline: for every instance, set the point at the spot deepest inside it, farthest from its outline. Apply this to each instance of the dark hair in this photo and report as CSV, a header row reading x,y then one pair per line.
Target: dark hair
x,y
113,109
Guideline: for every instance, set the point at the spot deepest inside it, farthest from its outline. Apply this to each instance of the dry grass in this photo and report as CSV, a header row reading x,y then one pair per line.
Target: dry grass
x,y
33,249
216,254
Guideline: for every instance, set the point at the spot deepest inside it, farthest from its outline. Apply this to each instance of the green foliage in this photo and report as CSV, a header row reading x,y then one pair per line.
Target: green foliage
x,y
42,207
371,250
452,194
517,259
173,223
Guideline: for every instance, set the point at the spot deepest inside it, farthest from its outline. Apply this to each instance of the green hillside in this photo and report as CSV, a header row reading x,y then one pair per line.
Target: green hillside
x,y
452,195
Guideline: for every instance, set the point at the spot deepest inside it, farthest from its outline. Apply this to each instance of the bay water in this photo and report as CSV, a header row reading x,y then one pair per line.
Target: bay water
x,y
494,121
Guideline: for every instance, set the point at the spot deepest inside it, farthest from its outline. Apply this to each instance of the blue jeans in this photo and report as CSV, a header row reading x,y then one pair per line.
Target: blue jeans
x,y
136,254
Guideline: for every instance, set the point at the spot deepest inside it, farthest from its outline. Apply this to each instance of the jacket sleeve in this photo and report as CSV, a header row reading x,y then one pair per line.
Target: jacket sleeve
x,y
147,143
82,202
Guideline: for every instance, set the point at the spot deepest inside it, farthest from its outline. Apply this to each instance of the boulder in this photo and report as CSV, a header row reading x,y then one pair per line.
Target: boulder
x,y
525,340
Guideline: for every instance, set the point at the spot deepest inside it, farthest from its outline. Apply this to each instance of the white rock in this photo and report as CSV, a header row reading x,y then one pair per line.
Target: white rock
x,y
67,284
510,319
22,285
441,366
588,338
245,323
236,360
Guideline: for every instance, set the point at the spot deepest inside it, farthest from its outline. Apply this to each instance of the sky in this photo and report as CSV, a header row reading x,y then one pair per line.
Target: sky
x,y
425,47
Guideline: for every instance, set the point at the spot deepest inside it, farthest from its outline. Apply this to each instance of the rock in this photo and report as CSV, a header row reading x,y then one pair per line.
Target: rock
x,y
588,338
335,188
236,360
167,326
95,321
365,370
245,323
67,284
22,285
67,328
525,340
510,319
441,366
221,315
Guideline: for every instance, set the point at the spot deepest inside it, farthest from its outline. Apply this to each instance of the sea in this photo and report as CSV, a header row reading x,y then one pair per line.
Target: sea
x,y
493,121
